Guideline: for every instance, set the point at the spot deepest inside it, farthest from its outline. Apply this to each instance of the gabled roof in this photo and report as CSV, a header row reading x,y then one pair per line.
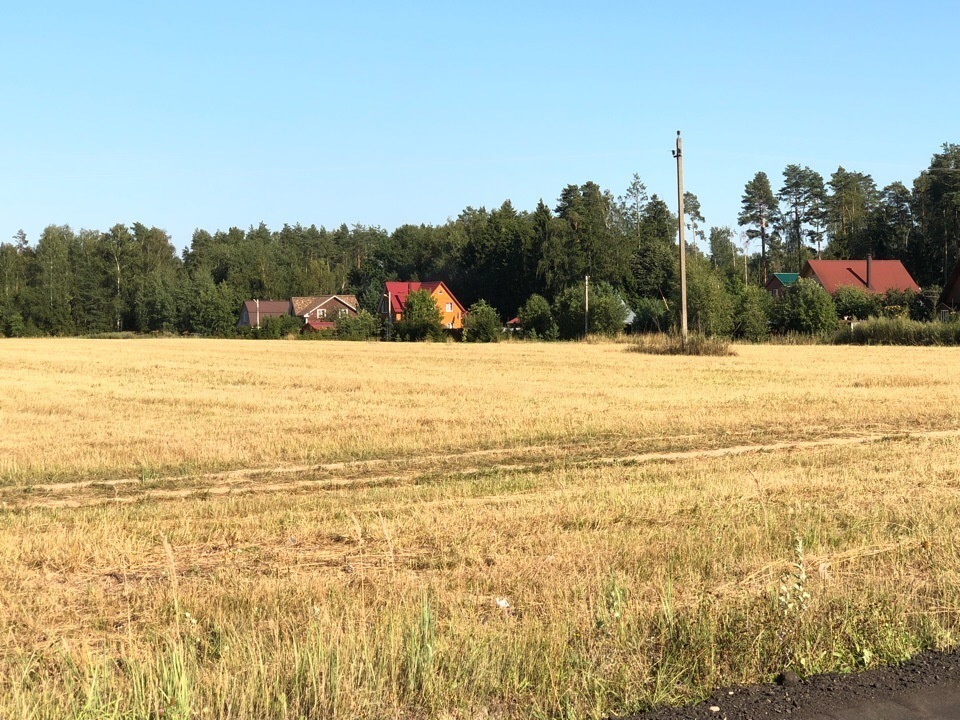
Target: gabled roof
x,y
787,278
781,280
398,291
267,308
884,275
950,297
305,305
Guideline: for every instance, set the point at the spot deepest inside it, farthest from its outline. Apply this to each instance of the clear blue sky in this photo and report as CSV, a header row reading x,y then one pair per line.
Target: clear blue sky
x,y
218,114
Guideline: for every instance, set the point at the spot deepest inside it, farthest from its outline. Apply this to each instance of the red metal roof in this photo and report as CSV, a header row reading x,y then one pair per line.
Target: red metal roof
x,y
398,291
320,325
884,275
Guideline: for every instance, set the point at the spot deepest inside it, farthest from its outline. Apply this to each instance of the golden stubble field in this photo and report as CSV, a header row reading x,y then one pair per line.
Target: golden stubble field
x,y
288,529
86,408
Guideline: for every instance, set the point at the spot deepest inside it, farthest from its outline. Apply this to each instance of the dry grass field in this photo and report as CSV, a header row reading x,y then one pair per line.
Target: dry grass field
x,y
234,529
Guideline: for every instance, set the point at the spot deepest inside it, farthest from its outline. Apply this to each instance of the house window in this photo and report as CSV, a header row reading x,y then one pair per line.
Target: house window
x,y
449,307
343,311
321,313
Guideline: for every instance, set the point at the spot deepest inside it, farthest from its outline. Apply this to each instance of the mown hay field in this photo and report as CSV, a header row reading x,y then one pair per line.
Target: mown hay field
x,y
302,530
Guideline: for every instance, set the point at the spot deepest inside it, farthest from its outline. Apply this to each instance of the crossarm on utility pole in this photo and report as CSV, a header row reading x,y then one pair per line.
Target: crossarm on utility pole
x,y
678,154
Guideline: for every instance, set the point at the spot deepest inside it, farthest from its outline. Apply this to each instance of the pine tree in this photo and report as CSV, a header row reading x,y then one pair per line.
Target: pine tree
x,y
759,209
802,194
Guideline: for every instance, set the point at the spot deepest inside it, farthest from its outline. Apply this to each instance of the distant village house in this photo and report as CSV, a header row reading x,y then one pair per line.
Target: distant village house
x,y
318,312
873,276
779,282
394,301
254,312
949,301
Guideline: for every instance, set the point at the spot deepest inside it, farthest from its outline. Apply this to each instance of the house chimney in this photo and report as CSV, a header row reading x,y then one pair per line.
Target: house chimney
x,y
869,277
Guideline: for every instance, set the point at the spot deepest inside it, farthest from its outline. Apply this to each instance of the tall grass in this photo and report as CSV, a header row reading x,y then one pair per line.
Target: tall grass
x,y
674,344
899,331
624,586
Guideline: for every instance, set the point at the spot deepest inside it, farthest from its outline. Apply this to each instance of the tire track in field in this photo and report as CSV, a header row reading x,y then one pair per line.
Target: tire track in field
x,y
246,481
242,475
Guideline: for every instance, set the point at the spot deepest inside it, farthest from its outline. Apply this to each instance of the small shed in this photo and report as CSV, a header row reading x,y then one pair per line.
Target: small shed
x,y
779,282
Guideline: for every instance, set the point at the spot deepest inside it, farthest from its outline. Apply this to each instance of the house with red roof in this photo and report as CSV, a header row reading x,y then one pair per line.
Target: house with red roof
x,y
874,276
394,301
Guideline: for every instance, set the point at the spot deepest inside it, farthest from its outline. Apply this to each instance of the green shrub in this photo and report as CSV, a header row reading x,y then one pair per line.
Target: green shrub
x,y
274,328
651,315
607,311
709,305
536,319
853,302
362,326
923,305
909,304
482,324
422,319
211,309
752,313
805,308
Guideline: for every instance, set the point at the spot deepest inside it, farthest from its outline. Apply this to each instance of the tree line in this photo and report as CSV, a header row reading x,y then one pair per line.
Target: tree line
x,y
131,278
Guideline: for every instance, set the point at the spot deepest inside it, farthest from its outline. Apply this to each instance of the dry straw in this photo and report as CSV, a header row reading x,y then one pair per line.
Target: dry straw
x,y
512,531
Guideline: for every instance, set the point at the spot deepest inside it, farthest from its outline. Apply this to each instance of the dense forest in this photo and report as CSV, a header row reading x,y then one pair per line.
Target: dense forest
x,y
132,278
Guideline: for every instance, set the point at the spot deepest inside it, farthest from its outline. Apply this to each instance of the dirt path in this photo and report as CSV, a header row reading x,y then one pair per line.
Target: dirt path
x,y
924,688
367,473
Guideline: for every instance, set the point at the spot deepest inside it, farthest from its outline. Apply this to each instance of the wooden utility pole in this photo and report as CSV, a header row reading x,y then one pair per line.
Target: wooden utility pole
x,y
678,154
586,305
763,246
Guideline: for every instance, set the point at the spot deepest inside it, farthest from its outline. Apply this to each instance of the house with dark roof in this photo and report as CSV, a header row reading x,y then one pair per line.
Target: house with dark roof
x,y
394,301
254,312
779,282
873,276
949,301
317,312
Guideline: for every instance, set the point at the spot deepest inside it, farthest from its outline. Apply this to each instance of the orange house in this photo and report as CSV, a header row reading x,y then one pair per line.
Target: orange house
x,y
394,301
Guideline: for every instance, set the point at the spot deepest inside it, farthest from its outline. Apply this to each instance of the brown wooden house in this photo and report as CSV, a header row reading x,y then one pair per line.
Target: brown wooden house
x,y
254,312
324,308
